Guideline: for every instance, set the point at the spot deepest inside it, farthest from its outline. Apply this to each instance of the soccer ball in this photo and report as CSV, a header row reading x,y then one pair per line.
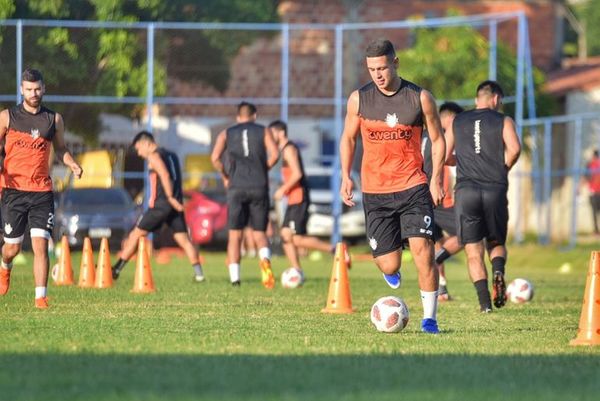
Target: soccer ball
x,y
389,314
54,272
292,277
519,291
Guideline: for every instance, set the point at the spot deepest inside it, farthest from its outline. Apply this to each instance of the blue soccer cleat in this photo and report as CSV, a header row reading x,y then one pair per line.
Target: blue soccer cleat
x,y
393,280
429,326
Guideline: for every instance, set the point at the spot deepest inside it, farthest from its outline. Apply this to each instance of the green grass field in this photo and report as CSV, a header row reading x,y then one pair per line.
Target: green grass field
x,y
211,341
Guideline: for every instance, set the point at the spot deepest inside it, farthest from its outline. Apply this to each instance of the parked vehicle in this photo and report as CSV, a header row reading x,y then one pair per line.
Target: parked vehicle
x,y
94,212
320,222
206,212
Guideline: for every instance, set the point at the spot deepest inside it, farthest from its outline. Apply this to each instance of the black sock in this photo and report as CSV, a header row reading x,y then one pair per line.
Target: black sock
x,y
483,293
119,265
498,264
441,256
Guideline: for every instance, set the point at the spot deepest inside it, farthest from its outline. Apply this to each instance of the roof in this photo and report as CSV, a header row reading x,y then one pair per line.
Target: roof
x,y
575,75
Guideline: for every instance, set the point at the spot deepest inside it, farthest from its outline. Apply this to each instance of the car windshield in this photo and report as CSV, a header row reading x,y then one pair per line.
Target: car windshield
x,y
319,181
96,197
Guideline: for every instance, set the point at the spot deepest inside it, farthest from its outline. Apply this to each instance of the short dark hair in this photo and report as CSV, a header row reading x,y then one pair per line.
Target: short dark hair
x,y
280,125
380,47
596,153
489,88
451,107
246,109
142,136
31,75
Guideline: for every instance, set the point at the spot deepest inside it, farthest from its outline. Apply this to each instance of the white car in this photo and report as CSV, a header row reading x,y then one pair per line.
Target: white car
x,y
320,222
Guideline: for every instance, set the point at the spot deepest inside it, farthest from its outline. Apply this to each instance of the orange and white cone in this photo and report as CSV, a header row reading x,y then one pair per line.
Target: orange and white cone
x,y
339,299
143,282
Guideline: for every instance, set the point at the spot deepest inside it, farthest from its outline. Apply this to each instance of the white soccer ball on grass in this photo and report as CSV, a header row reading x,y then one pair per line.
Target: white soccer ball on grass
x,y
292,277
519,291
389,314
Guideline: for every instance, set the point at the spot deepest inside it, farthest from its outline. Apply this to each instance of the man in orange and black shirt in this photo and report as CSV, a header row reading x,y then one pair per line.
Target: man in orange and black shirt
x,y
165,205
390,112
27,132
295,188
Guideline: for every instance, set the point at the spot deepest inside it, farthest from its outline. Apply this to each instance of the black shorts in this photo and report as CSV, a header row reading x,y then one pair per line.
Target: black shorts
x,y
20,208
445,221
481,212
296,218
247,207
394,217
155,217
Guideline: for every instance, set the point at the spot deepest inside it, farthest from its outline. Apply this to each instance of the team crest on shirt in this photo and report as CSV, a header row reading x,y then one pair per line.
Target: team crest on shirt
x,y
7,228
391,120
373,243
35,133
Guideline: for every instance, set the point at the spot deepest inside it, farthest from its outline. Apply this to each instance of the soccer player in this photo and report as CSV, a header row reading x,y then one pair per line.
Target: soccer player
x,y
165,205
251,151
444,216
295,188
487,147
389,112
27,132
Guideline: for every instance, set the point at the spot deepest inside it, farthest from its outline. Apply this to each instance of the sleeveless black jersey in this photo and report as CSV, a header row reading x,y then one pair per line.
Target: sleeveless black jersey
x,y
27,149
480,148
246,156
299,193
157,192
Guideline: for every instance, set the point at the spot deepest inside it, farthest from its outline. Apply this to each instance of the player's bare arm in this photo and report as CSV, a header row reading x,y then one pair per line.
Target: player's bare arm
x,y
4,121
62,153
272,149
290,156
348,146
438,145
512,146
156,163
215,157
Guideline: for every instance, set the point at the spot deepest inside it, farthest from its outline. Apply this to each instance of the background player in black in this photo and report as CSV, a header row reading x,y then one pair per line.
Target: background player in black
x,y
446,240
251,151
487,147
26,133
165,204
295,188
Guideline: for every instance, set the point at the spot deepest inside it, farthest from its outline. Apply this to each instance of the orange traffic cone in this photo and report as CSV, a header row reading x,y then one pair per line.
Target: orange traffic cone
x,y
143,282
339,300
64,275
104,273
87,272
589,323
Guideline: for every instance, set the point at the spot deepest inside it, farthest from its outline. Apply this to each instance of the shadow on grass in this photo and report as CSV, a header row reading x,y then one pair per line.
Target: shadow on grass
x,y
247,377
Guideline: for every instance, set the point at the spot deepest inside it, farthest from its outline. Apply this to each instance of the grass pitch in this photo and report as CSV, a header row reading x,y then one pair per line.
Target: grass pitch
x,y
210,341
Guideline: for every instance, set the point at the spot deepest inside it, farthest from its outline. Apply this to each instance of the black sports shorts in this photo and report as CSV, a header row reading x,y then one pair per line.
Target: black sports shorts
x,y
296,218
20,208
248,207
481,212
394,217
445,221
155,217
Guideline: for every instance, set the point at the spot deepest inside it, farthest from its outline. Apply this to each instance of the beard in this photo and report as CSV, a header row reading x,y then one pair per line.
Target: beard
x,y
33,102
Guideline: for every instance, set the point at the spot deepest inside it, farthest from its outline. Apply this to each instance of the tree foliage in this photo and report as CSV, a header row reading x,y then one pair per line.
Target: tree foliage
x,y
113,62
452,61
588,12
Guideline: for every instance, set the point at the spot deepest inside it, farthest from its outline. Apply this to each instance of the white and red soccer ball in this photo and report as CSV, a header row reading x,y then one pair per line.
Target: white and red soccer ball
x,y
389,314
519,291
292,277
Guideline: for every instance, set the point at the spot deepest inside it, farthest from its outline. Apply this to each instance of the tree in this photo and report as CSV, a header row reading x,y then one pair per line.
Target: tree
x,y
112,62
452,61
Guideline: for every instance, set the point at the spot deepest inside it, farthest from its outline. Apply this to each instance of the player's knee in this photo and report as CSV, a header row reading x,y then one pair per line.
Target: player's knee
x,y
9,251
286,235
